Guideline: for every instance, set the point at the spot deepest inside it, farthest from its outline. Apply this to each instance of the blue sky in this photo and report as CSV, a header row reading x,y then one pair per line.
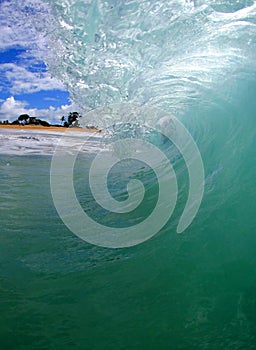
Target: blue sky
x,y
25,84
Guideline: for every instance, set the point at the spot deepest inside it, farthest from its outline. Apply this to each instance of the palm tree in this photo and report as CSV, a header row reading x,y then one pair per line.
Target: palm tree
x,y
71,120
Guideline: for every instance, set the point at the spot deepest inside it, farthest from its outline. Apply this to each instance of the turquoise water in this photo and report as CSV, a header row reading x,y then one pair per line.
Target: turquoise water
x,y
195,290
189,291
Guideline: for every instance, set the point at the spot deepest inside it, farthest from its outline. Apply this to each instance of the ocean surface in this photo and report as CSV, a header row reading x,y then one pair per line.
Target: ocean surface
x,y
194,60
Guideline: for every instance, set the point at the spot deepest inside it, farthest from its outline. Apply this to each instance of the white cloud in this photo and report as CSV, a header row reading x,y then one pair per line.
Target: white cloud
x,y
9,38
11,109
21,81
16,18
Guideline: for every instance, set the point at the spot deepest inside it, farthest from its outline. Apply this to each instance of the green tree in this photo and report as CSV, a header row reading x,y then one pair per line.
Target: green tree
x,y
23,118
71,120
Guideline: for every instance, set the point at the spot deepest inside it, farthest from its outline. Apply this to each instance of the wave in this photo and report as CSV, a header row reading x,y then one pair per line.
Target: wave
x,y
170,54
194,60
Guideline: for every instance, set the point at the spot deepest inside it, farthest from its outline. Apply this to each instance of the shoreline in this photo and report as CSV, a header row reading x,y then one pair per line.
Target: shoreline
x,y
47,128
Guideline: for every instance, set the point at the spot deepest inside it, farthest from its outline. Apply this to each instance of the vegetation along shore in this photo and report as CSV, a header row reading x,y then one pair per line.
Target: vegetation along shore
x,y
70,122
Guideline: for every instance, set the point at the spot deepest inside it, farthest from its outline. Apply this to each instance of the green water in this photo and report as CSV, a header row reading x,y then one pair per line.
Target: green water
x,y
196,290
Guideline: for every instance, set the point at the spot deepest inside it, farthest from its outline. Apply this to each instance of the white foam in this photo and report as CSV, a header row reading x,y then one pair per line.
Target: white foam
x,y
20,142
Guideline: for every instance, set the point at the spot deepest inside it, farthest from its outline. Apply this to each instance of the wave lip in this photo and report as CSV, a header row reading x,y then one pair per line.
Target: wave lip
x,y
170,54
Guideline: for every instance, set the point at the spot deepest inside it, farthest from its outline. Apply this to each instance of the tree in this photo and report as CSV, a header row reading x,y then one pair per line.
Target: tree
x,y
71,120
43,122
15,122
23,118
33,121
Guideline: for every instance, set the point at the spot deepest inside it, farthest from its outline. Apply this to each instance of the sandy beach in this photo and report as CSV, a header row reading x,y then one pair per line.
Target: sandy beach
x,y
46,128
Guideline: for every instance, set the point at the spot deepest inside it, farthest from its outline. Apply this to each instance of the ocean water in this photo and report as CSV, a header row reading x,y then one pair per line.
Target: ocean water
x,y
194,290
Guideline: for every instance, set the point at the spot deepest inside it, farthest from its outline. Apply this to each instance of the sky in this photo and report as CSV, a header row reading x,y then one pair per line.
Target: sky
x,y
25,84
